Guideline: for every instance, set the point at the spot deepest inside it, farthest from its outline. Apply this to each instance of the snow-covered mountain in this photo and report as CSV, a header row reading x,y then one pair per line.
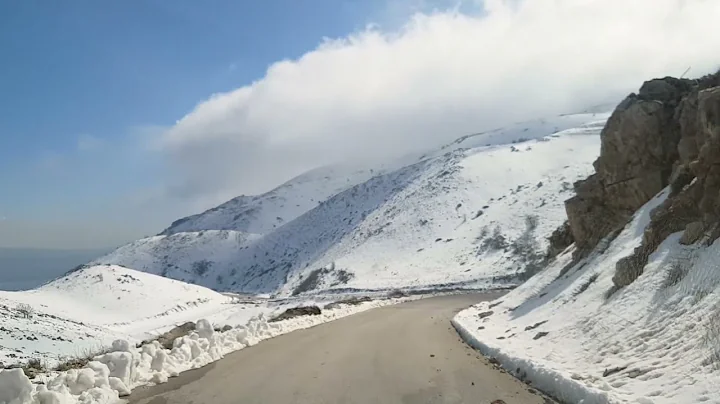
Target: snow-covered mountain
x,y
473,212
264,213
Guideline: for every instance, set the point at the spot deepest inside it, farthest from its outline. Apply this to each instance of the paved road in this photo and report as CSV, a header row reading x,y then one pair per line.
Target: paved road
x,y
408,353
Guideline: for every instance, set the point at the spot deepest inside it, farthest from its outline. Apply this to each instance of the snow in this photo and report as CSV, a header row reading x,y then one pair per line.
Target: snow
x,y
129,305
15,387
263,213
379,230
654,338
88,309
472,214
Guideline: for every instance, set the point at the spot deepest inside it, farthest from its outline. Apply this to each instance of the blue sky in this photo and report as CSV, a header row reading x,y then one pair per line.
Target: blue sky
x,y
84,84
122,116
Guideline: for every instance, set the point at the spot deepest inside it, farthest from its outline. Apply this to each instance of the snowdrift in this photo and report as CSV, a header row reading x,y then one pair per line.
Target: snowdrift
x,y
125,367
86,310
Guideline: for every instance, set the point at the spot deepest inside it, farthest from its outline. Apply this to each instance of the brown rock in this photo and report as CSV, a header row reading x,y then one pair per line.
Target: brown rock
x,y
639,147
636,141
668,134
681,177
297,312
709,112
559,240
687,117
166,339
486,314
692,233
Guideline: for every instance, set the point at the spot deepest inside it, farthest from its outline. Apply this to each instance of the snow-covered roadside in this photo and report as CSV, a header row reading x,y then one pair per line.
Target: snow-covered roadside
x,y
86,310
126,367
651,342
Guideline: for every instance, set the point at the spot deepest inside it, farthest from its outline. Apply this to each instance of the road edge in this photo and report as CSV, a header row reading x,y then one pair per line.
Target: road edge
x,y
547,381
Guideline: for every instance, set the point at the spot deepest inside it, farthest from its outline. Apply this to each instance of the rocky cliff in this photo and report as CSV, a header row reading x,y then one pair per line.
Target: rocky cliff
x,y
666,135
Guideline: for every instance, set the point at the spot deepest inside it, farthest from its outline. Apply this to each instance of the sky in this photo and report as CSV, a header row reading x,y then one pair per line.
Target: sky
x,y
120,117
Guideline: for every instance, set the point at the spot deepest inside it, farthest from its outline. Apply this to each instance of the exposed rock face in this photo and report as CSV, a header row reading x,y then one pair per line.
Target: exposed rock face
x,y
639,145
559,240
668,134
693,232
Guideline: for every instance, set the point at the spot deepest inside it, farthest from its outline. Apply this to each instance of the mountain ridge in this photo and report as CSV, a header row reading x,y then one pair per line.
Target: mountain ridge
x,y
356,214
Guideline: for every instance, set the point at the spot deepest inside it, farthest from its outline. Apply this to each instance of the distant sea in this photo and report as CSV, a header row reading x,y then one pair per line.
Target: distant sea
x,y
27,268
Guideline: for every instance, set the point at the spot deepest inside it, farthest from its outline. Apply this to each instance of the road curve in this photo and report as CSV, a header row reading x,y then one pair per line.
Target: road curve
x,y
407,353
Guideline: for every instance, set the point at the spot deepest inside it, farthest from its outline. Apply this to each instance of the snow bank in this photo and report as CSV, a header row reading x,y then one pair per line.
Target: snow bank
x,y
125,367
566,334
86,310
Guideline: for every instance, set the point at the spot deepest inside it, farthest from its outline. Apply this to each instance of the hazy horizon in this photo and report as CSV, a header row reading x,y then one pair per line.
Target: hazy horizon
x,y
27,268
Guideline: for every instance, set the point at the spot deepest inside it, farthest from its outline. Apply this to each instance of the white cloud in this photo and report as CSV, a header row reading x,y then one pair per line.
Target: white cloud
x,y
440,76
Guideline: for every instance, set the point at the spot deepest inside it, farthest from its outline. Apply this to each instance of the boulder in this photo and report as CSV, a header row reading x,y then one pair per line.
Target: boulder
x,y
297,312
166,339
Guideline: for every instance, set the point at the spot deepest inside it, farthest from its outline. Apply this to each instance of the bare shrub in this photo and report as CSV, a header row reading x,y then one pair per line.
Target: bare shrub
x,y
310,283
526,249
343,277
495,242
35,363
317,277
201,267
396,294
33,367
81,359
675,273
25,310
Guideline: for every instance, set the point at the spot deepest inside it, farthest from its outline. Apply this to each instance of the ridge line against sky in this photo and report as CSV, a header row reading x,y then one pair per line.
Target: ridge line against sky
x,y
100,147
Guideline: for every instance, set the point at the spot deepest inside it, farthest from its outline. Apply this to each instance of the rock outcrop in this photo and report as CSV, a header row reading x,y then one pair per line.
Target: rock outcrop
x,y
666,135
559,240
638,149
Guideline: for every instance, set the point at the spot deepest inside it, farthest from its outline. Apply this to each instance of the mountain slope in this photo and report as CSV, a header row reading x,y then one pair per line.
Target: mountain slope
x,y
262,214
455,217
631,312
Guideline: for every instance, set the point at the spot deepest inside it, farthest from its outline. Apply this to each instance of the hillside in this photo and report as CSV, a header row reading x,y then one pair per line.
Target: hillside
x,y
91,307
631,312
261,214
455,217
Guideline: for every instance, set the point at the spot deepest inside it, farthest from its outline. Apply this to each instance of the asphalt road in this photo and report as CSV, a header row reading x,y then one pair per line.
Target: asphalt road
x,y
407,353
